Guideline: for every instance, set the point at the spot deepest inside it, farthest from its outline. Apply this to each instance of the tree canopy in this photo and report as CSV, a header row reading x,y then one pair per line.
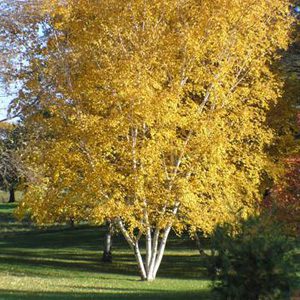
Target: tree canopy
x,y
155,116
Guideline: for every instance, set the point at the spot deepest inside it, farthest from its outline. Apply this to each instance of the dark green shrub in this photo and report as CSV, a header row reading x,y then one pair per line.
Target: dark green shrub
x,y
252,262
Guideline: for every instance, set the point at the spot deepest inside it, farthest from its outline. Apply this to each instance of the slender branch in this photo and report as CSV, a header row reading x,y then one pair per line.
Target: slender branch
x,y
11,117
125,233
138,237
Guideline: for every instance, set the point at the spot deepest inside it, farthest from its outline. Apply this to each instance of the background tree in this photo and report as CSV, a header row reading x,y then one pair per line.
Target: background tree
x,y
21,23
157,118
282,201
11,170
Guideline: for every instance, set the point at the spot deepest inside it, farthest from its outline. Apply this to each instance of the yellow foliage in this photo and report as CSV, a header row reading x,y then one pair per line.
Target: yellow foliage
x,y
159,105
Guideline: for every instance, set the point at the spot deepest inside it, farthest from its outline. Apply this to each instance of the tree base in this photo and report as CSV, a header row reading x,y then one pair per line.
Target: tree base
x,y
107,257
12,198
148,279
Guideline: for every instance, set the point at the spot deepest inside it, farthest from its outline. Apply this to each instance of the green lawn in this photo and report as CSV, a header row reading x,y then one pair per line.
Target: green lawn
x,y
4,196
63,263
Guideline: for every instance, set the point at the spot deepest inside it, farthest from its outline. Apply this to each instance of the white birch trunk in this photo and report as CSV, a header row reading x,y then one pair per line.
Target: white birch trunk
x,y
139,259
148,249
154,250
161,250
107,251
154,253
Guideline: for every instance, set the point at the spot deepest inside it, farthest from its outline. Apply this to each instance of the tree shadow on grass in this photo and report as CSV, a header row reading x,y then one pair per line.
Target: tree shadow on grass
x,y
8,206
104,295
173,266
84,236
80,250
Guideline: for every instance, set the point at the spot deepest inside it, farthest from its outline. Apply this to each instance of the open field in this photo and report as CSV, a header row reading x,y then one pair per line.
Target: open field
x,y
64,263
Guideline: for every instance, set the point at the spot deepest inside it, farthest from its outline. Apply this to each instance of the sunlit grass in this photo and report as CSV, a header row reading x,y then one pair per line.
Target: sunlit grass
x,y
4,196
65,263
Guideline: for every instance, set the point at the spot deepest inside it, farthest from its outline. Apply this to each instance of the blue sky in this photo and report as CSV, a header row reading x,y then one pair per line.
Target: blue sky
x,y
4,101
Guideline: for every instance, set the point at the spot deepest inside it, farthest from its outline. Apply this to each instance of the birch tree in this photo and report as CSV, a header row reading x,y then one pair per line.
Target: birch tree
x,y
158,117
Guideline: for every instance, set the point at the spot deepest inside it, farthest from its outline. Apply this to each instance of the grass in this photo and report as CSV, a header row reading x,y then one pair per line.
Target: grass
x,y
64,263
4,196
